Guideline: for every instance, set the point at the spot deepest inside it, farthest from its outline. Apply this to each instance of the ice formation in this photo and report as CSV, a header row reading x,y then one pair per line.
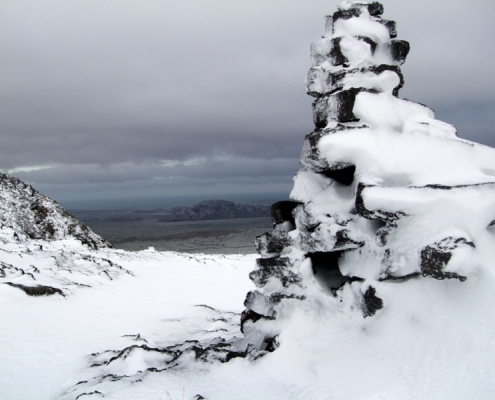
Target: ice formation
x,y
386,192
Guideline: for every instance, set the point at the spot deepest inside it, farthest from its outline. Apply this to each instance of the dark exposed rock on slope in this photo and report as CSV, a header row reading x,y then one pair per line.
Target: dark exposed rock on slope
x,y
30,214
46,251
216,209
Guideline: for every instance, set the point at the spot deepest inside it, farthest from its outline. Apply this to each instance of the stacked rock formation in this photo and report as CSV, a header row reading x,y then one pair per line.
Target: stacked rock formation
x,y
385,192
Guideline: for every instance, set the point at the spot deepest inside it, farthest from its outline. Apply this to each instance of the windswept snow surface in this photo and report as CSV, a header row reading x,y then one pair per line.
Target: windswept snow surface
x,y
45,340
432,340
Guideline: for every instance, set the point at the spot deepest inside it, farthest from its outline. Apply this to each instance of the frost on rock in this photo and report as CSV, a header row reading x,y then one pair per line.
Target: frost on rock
x,y
30,215
44,250
386,192
219,341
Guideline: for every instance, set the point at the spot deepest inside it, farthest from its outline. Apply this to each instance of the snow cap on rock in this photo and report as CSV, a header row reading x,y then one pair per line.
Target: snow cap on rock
x,y
31,215
386,191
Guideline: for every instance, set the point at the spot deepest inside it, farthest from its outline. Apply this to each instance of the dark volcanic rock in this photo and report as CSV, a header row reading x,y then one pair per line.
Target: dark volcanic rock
x,y
390,25
325,266
343,175
310,156
38,290
435,257
273,242
336,56
281,211
343,104
371,302
275,267
337,107
386,216
249,315
264,305
347,14
400,50
375,8
321,82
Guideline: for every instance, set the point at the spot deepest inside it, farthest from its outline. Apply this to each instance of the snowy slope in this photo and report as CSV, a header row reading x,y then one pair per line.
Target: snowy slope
x,y
45,341
434,340
29,214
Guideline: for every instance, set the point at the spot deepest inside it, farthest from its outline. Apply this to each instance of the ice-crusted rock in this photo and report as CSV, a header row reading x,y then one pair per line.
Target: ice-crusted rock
x,y
45,251
29,214
386,192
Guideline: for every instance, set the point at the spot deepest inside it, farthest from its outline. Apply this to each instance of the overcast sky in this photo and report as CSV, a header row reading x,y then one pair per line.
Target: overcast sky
x,y
123,100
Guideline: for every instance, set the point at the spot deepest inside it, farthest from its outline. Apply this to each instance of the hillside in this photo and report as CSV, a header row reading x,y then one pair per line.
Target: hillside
x,y
216,209
29,214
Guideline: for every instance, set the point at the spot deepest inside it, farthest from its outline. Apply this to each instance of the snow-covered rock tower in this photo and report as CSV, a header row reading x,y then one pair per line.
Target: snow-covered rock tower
x,y
386,192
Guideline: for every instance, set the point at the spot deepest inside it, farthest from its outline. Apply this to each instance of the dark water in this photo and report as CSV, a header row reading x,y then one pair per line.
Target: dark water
x,y
139,229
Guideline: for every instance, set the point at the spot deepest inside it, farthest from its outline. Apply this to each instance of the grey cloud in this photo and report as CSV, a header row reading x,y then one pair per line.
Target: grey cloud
x,y
474,120
229,170
164,192
107,90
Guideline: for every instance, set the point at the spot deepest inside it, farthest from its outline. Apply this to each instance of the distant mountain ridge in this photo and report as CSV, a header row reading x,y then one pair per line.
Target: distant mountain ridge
x,y
30,214
216,209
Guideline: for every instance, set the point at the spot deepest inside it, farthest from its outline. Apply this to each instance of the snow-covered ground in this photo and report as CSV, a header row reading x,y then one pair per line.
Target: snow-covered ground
x,y
434,339
45,340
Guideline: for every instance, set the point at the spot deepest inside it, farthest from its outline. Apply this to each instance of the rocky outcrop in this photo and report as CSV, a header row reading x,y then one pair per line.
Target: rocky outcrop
x,y
29,214
216,209
45,251
386,192
37,290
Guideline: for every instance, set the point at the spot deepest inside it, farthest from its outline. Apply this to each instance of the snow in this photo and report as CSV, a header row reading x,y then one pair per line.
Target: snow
x,y
388,112
44,341
396,205
361,26
433,340
421,158
387,81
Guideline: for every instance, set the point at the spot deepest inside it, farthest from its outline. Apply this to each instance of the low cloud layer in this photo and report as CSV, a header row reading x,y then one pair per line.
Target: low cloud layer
x,y
124,94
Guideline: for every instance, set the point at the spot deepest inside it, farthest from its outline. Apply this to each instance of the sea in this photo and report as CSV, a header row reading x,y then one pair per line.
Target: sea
x,y
139,229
